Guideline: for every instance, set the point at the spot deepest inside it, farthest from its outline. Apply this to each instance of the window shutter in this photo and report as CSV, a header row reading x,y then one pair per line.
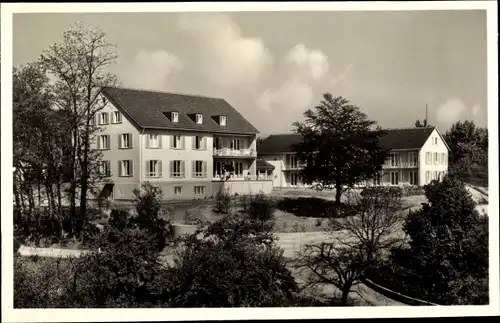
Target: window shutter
x,y
147,170
193,142
120,173
183,142
159,141
193,168
147,141
182,169
172,138
160,172
119,141
99,142
204,165
131,168
171,167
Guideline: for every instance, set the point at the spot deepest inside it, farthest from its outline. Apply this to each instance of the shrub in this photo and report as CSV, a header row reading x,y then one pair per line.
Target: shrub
x,y
222,202
234,264
260,209
309,207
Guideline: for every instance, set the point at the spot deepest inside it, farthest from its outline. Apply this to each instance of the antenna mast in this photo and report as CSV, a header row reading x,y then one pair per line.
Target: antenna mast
x,y
426,121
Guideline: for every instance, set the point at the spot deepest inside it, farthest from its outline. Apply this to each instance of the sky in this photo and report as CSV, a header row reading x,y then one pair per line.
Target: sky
x,y
273,66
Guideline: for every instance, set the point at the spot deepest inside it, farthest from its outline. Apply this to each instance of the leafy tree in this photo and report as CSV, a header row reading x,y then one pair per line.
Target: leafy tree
x,y
231,264
422,124
78,64
260,208
222,201
469,149
448,247
338,146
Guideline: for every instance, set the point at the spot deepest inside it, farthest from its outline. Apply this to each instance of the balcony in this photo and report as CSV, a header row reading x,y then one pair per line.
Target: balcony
x,y
243,178
297,166
400,165
228,152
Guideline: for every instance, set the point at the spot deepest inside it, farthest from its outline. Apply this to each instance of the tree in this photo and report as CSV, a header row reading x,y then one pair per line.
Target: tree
x,y
469,149
422,124
338,146
363,238
231,264
79,65
448,247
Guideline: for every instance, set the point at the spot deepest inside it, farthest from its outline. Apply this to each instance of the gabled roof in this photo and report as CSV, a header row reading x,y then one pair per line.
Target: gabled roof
x,y
281,143
146,108
262,164
403,138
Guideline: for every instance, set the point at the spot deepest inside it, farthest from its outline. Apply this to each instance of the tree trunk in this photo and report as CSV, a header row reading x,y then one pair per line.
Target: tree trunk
x,y
60,208
84,183
345,293
338,195
72,189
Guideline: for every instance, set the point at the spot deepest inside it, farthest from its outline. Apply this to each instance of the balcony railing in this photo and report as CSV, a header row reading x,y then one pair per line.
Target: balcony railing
x,y
400,165
243,178
293,166
228,152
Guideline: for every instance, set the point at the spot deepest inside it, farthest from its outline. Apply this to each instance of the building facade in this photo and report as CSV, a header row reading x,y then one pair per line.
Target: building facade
x,y
187,145
417,156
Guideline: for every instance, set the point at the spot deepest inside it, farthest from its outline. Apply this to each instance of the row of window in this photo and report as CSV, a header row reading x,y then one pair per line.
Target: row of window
x,y
198,190
434,175
152,141
103,118
174,117
153,168
394,159
435,158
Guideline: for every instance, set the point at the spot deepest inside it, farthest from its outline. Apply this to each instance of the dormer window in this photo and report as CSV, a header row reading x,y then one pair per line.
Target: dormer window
x,y
199,118
175,116
222,120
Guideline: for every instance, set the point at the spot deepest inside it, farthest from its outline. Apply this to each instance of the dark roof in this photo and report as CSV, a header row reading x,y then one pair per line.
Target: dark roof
x,y
281,143
404,138
147,108
262,164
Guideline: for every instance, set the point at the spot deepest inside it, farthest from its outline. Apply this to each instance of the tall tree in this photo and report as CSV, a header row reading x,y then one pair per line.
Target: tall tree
x,y
422,124
79,66
338,146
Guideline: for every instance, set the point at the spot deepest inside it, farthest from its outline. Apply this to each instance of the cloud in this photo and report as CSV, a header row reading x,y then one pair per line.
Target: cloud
x,y
450,111
475,109
151,69
305,71
226,57
313,63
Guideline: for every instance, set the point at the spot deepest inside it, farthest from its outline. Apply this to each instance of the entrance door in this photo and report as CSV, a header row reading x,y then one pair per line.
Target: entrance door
x,y
294,178
413,178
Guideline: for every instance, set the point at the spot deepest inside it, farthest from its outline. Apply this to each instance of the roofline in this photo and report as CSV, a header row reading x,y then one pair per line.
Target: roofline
x,y
163,92
442,138
202,130
117,105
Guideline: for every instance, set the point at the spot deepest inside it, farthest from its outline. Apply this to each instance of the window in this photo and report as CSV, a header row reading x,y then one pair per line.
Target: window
x,y
435,175
428,158
199,142
238,168
177,142
199,190
199,168
178,190
103,142
293,161
427,177
117,117
394,178
92,120
175,116
378,178
394,159
222,120
125,168
153,140
105,168
445,155
436,158
413,178
153,168
435,141
176,168
103,118
125,140
443,158
236,144
199,118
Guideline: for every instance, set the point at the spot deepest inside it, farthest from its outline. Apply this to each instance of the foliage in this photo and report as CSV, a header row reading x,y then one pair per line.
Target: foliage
x,y
422,124
231,264
222,201
338,146
469,151
448,249
260,208
309,207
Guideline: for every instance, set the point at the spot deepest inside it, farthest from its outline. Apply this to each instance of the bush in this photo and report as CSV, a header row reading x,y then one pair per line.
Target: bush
x,y
234,264
260,209
222,202
309,207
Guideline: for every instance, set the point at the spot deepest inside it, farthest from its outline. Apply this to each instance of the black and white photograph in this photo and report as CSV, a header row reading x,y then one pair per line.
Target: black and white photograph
x,y
291,160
